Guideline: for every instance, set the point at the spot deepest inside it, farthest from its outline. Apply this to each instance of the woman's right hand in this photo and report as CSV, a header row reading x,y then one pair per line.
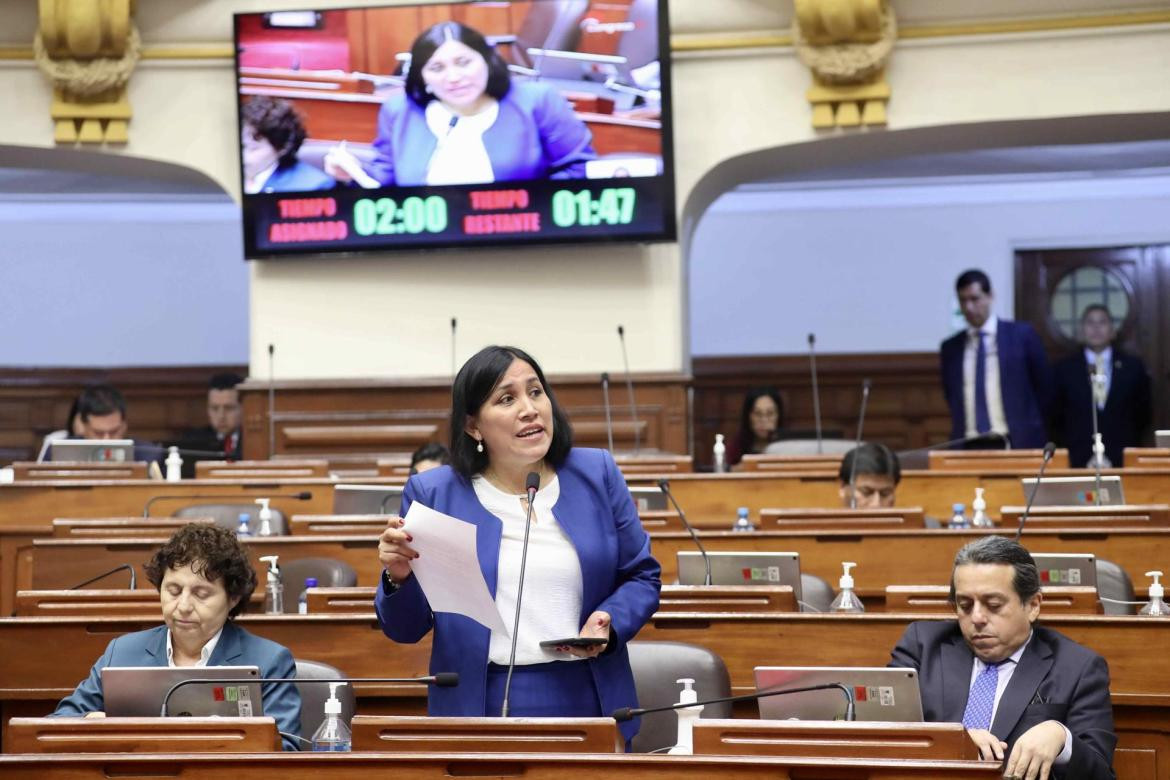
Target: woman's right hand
x,y
394,550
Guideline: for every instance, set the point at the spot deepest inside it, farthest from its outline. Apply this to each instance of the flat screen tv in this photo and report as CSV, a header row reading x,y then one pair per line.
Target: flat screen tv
x,y
454,124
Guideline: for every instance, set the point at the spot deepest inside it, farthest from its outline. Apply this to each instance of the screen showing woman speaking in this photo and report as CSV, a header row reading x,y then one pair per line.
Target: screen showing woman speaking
x,y
534,121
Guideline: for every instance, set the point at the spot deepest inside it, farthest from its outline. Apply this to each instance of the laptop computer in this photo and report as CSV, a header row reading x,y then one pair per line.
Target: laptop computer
x,y
1067,569
1074,491
742,568
138,691
1162,438
367,499
879,693
92,450
649,499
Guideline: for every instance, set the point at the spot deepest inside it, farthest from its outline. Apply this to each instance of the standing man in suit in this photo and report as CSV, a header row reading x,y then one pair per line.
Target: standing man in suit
x,y
1121,394
222,433
995,374
1025,693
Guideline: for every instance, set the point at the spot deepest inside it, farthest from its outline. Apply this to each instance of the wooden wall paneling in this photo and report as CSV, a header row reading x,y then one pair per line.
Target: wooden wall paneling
x,y
906,405
390,31
162,401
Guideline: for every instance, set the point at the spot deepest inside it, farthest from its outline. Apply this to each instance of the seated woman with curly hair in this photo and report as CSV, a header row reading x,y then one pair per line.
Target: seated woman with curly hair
x,y
271,136
204,579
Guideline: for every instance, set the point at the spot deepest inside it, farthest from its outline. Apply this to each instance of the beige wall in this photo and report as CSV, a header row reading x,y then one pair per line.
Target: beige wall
x,y
390,316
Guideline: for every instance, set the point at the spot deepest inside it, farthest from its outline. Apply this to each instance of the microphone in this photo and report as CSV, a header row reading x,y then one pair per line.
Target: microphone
x,y
865,383
442,680
946,445
531,485
630,388
1097,385
605,402
1049,449
271,401
664,486
812,364
304,495
126,566
626,713
454,325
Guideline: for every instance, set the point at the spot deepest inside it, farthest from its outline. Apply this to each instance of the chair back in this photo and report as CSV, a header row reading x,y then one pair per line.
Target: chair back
x,y
657,666
815,593
1113,583
330,573
314,695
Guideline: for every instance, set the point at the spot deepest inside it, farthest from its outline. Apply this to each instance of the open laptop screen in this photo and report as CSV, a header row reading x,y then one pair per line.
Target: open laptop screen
x,y
879,693
138,691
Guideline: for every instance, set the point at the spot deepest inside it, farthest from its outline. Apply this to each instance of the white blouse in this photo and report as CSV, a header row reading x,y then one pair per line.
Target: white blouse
x,y
552,579
460,156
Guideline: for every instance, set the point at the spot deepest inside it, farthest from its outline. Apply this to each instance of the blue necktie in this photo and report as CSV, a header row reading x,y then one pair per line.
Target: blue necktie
x,y
981,699
982,416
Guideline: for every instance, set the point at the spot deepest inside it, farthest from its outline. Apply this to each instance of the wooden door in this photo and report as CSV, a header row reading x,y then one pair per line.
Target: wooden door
x,y
1053,287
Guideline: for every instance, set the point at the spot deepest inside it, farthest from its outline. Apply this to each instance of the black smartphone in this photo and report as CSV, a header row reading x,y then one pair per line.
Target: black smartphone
x,y
574,641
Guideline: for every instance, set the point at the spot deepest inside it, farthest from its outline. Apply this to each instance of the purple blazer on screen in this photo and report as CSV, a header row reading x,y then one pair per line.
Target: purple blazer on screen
x,y
619,576
536,136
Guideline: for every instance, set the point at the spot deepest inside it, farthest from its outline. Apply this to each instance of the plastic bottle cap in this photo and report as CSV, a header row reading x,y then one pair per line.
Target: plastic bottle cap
x,y
1156,588
310,582
245,518
958,508
743,511
846,581
333,704
688,695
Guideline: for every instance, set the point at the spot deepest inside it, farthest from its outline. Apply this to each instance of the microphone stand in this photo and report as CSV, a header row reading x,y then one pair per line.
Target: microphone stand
x,y
271,401
812,362
1096,382
630,388
853,465
1049,449
605,402
531,483
453,326
664,486
116,569
442,679
627,713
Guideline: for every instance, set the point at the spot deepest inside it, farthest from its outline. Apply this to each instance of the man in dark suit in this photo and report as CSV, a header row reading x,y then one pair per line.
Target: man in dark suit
x,y
995,374
1023,691
222,433
1120,391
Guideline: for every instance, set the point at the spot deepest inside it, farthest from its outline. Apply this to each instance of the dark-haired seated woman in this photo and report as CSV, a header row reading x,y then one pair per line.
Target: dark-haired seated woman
x,y
589,571
204,579
462,120
760,422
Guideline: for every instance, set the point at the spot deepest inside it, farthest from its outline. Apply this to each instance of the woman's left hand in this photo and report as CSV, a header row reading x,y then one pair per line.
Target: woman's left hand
x,y
596,626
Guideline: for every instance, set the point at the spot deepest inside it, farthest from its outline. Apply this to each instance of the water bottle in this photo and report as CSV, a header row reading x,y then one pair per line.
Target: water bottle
x,y
719,454
1156,607
333,735
303,600
742,523
846,600
958,519
244,530
979,518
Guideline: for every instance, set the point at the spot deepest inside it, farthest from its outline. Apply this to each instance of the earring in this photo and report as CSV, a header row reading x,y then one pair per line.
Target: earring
x,y
479,446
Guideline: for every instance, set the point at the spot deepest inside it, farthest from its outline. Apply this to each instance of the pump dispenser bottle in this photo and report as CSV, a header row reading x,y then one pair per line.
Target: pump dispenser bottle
x,y
333,735
1156,607
719,454
274,588
847,600
265,518
685,745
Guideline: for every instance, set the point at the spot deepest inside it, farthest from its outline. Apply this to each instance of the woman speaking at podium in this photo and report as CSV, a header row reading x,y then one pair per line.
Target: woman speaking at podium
x,y
463,121
589,572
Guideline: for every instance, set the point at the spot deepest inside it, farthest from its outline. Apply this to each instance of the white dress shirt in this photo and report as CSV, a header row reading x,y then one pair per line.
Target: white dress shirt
x,y
460,156
1006,670
991,379
553,589
204,654
1106,368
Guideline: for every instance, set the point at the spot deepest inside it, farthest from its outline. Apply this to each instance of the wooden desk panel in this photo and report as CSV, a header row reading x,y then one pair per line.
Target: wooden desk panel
x,y
141,735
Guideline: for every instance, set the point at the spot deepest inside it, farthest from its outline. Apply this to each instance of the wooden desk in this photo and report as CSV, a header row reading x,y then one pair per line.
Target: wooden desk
x,y
486,735
141,735
433,766
935,599
717,737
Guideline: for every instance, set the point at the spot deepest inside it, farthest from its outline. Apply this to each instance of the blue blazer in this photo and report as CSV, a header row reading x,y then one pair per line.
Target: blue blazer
x,y
1024,380
536,136
236,647
1056,679
298,177
619,576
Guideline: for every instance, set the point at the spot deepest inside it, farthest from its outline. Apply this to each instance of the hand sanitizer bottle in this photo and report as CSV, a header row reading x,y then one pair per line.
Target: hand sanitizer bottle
x,y
742,523
1156,607
1099,461
684,744
979,518
174,465
847,600
719,454
274,588
265,518
333,735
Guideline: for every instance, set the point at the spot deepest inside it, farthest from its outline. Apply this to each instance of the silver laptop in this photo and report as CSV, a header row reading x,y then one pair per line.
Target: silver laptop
x,y
138,691
879,693
1067,569
742,568
1162,438
367,499
92,450
1074,491
648,499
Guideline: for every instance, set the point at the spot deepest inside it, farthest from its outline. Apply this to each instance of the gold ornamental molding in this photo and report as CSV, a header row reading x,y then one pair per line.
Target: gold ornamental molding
x,y
846,44
88,49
